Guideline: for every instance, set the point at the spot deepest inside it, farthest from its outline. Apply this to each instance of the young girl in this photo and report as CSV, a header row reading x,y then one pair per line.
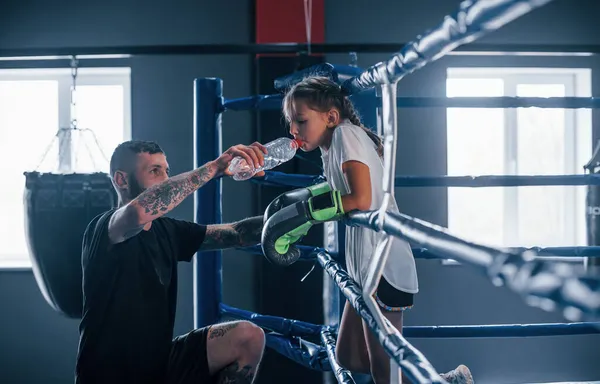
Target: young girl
x,y
322,117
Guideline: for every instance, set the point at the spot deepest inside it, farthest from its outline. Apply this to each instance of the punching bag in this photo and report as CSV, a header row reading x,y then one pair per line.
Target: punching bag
x,y
58,208
592,211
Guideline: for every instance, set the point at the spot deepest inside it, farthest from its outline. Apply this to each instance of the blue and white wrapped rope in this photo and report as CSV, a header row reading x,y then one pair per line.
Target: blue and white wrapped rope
x,y
273,102
544,284
280,179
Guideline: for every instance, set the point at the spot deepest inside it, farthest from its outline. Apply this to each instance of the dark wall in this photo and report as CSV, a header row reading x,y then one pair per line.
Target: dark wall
x,y
451,295
39,345
559,22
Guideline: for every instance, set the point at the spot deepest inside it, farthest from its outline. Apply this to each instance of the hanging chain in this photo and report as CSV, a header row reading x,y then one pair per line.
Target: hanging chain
x,y
353,59
81,137
65,137
74,63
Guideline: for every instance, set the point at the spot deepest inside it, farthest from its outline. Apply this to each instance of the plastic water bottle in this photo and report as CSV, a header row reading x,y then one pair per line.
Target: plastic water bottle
x,y
278,152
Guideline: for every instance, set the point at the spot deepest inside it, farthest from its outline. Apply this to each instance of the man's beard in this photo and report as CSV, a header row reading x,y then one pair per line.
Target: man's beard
x,y
135,189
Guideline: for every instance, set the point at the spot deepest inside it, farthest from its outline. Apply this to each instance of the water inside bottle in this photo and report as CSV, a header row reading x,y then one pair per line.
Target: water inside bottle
x,y
278,151
241,170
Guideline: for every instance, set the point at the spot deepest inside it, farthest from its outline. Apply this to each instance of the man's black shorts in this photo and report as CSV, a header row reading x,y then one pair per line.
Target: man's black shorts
x,y
188,362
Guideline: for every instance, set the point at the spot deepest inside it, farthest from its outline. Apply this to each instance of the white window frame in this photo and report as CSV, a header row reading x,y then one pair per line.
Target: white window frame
x,y
578,136
85,76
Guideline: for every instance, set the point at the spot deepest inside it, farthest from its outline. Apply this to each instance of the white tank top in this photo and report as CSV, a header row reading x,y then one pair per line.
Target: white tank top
x,y
349,143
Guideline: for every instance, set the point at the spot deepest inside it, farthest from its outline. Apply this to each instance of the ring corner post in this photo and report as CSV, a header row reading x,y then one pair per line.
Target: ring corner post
x,y
208,103
333,299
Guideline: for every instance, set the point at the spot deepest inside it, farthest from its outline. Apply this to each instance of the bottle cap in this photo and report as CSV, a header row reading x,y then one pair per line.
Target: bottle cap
x,y
298,142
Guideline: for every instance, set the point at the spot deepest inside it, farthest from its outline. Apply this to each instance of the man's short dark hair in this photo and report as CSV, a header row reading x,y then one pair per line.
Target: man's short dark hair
x,y
123,158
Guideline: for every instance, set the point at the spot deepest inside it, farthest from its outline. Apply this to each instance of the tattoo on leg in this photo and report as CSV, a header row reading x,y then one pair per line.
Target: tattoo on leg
x,y
221,330
236,375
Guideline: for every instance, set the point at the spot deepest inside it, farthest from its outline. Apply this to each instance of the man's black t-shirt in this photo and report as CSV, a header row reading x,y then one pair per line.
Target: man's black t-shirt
x,y
130,296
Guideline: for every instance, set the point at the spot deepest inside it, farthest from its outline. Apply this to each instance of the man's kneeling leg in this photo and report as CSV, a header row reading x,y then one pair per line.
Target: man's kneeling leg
x,y
222,353
235,350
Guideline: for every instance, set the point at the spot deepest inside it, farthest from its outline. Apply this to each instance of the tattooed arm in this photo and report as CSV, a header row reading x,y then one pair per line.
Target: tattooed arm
x,y
239,234
163,197
156,201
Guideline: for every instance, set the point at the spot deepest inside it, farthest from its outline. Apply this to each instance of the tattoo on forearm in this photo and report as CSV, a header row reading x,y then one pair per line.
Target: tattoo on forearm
x,y
240,234
165,196
234,374
249,230
219,237
220,330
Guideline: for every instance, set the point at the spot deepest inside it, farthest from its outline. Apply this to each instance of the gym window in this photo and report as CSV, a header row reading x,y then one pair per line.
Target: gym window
x,y
528,141
34,103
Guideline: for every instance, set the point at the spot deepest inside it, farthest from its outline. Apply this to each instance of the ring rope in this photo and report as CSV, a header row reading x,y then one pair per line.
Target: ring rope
x,y
280,179
544,284
310,253
297,328
413,363
328,338
273,102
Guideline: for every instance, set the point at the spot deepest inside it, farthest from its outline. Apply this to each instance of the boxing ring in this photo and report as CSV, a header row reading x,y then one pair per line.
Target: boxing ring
x,y
543,283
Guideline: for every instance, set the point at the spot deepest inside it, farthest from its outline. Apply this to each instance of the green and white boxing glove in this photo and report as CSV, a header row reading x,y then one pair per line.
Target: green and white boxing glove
x,y
286,226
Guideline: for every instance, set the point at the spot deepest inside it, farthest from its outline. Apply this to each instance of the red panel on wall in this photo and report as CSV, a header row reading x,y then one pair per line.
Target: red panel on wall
x,y
283,21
